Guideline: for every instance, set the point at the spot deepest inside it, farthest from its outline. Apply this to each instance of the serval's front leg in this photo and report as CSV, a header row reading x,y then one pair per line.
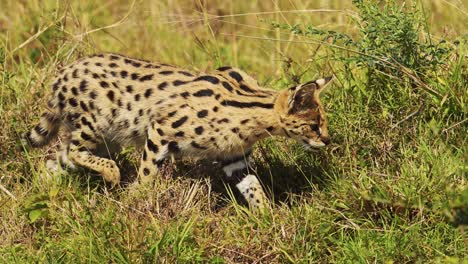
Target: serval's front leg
x,y
237,172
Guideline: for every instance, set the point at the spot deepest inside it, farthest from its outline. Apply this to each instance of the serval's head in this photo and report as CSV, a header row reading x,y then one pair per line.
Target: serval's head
x,y
301,115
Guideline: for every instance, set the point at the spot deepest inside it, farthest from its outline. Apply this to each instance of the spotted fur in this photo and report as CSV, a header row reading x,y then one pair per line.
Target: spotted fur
x,y
110,99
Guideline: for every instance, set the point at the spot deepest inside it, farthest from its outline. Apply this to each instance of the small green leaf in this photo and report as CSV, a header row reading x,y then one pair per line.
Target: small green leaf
x,y
34,215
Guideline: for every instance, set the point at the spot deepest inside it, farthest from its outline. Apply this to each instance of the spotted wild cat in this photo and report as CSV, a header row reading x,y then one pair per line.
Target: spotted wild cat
x,y
110,99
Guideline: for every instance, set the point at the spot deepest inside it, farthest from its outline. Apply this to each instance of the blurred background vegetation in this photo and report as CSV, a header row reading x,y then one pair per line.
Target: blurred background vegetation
x,y
391,187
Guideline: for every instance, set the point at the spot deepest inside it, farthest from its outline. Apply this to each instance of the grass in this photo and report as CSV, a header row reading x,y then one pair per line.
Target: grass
x,y
390,189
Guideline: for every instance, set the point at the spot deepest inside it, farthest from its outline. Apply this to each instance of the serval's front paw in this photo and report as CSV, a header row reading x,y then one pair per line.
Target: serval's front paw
x,y
253,192
111,173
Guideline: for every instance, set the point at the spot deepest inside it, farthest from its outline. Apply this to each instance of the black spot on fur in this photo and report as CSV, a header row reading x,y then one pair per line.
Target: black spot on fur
x,y
224,120
171,114
160,132
56,85
246,104
84,106
173,147
140,112
86,136
64,89
111,95
227,86
246,88
270,128
243,122
207,78
113,65
185,94
146,171
129,106
163,142
41,131
166,72
179,122
199,130
235,130
87,123
236,76
215,109
178,82
145,155
124,74
137,97
73,102
75,74
61,97
103,84
196,145
204,92
148,92
152,66
93,95
202,113
151,146
129,89
186,73
162,85
74,91
96,76
179,134
136,64
224,68
135,76
114,57
98,64
147,77
83,86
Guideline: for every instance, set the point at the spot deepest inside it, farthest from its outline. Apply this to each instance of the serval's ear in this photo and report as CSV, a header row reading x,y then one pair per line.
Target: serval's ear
x,y
305,96
323,83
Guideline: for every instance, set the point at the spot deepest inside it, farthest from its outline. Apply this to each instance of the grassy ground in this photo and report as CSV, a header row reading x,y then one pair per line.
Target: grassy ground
x,y
390,189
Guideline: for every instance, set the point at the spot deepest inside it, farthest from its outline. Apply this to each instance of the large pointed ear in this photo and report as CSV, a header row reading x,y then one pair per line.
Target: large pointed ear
x,y
322,83
305,96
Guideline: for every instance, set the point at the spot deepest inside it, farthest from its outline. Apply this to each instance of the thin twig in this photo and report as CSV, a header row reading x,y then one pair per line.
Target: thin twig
x,y
452,126
35,36
406,118
7,192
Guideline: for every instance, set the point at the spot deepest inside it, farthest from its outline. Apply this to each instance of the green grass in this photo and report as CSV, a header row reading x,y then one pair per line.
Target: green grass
x,y
391,188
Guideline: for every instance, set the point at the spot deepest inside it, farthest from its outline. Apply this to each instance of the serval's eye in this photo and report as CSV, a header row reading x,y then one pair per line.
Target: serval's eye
x,y
314,127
